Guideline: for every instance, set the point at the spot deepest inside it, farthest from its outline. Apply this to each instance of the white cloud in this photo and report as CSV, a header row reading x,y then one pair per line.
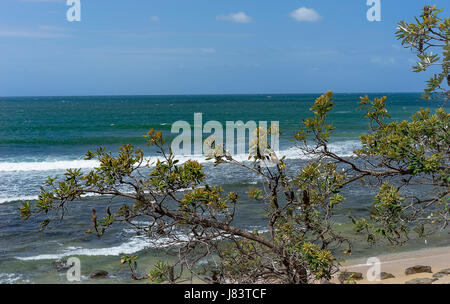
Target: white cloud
x,y
208,50
154,19
54,1
305,14
397,47
239,17
383,60
42,31
154,52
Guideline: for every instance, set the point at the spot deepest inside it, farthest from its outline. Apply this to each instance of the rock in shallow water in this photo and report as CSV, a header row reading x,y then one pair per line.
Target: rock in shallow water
x,y
421,281
442,273
61,265
98,274
386,275
346,276
446,271
418,269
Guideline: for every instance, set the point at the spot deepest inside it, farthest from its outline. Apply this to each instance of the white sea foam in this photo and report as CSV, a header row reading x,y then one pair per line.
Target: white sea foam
x,y
32,198
18,198
8,199
12,278
130,247
343,148
34,173
136,244
47,165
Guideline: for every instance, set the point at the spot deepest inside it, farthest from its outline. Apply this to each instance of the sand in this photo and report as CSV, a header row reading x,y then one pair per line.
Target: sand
x,y
437,258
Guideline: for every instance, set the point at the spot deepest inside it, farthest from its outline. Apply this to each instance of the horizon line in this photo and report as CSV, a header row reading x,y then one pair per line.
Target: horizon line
x,y
208,94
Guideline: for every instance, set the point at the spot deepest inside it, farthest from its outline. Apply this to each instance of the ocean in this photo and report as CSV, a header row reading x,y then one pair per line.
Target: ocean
x,y
44,136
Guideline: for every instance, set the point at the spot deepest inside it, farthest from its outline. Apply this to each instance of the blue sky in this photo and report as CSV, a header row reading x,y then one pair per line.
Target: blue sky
x,y
204,47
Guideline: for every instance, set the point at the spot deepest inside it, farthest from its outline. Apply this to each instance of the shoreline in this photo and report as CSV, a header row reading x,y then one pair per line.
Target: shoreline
x,y
438,258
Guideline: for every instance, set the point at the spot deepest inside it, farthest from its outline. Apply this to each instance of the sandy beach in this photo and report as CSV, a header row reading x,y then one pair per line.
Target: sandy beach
x,y
396,264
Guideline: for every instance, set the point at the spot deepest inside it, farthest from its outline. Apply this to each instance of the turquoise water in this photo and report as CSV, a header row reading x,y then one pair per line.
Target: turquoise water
x,y
42,136
62,128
